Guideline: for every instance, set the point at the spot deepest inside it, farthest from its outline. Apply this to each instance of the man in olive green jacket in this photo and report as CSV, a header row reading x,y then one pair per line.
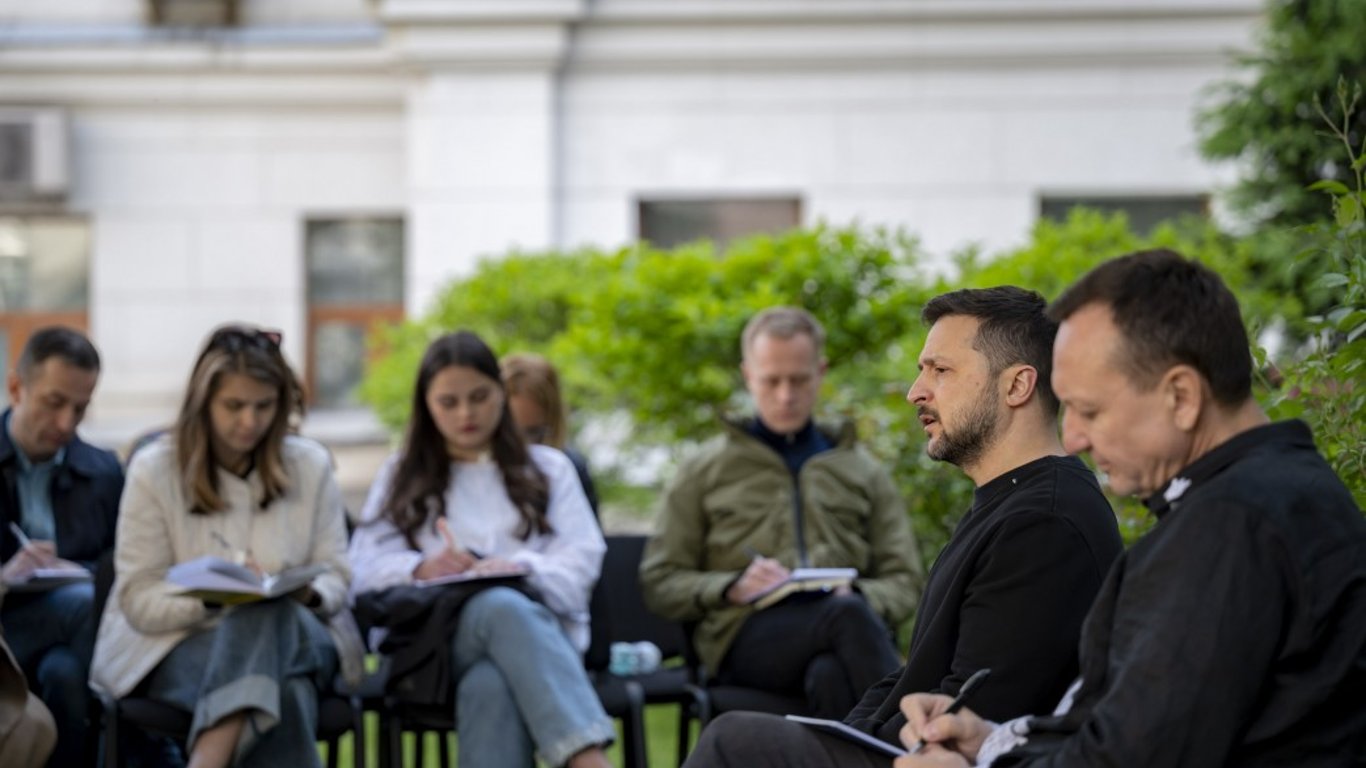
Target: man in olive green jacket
x,y
775,493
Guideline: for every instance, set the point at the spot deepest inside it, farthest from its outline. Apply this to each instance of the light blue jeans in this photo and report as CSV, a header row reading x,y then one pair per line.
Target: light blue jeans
x,y
52,635
521,684
266,659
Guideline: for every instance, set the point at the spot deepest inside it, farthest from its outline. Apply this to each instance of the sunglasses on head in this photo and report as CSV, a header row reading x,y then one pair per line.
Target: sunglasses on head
x,y
235,338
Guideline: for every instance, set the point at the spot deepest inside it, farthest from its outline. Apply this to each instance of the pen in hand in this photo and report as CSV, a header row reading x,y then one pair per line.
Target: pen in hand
x,y
971,684
24,541
26,544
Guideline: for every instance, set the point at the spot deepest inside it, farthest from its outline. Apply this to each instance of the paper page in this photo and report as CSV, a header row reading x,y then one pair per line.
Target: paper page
x,y
457,578
836,728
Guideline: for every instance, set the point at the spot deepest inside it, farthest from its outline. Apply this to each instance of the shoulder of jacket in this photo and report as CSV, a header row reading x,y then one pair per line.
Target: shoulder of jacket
x,y
305,450
87,458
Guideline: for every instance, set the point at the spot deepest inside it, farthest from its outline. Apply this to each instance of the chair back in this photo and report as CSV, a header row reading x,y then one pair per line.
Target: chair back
x,y
618,611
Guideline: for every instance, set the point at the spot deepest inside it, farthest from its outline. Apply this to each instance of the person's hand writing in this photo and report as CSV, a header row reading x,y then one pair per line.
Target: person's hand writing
x,y
37,554
451,559
961,733
495,565
761,575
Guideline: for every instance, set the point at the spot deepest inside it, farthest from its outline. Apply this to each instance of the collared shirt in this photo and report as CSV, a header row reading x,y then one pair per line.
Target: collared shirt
x,y
34,485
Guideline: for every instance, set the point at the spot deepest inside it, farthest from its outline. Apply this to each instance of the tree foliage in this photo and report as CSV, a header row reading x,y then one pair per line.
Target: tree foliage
x,y
1266,119
1325,386
654,334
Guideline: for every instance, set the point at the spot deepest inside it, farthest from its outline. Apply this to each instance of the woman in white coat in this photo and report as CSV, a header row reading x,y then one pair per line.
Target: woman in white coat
x,y
229,481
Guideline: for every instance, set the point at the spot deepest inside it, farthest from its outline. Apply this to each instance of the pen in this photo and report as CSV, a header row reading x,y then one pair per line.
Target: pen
x,y
753,553
24,541
972,684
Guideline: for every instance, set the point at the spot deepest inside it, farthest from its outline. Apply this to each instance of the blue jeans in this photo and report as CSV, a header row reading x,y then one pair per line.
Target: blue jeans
x,y
52,635
521,683
265,659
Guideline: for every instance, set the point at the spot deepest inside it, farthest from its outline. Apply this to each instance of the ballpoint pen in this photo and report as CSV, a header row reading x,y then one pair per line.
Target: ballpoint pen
x,y
24,541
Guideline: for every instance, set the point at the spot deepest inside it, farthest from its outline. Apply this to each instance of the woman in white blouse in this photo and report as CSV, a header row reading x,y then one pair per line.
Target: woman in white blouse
x,y
229,481
467,493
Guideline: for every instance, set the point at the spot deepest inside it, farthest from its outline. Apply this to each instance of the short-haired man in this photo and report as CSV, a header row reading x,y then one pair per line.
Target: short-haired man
x,y
63,494
1234,632
774,493
1011,588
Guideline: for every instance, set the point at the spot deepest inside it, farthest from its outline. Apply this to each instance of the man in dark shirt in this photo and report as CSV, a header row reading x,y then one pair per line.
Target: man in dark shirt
x,y
1011,588
1234,633
63,495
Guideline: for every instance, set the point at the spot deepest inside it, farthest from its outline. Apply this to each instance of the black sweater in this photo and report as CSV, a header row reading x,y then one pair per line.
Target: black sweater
x,y
1008,592
1233,633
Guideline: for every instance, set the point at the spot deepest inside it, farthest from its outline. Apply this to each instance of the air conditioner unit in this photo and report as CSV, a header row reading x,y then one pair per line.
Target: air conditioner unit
x,y
33,153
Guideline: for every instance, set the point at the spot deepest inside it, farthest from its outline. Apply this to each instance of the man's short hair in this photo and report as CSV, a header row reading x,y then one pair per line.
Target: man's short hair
x,y
1012,329
783,323
1170,311
69,345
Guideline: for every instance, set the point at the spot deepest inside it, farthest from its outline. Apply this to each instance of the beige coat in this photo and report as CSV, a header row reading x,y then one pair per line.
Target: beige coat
x,y
27,731
144,617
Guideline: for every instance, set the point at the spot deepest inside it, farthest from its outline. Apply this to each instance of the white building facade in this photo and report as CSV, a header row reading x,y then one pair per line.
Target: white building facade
x,y
314,165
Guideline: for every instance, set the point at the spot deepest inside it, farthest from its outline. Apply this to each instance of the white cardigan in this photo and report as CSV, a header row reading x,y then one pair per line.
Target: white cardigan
x,y
564,565
144,618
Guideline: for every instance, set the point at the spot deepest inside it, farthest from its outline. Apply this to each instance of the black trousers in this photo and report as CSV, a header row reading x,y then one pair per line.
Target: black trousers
x,y
756,740
827,649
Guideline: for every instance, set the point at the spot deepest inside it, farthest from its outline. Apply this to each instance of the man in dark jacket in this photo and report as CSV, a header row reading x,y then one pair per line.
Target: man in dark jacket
x,y
1011,588
62,495
1233,633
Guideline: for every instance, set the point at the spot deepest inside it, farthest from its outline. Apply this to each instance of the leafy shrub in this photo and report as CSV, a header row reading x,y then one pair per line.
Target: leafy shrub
x,y
654,334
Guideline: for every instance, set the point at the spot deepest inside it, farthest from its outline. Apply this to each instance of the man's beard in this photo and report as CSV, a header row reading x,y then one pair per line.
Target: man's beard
x,y
965,444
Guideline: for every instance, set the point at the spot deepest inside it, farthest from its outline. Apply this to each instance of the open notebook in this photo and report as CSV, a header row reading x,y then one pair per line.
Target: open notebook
x,y
515,572
805,580
216,580
836,728
42,579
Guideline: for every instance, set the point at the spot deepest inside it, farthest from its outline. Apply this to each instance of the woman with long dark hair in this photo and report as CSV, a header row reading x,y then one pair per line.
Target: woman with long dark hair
x,y
229,481
466,493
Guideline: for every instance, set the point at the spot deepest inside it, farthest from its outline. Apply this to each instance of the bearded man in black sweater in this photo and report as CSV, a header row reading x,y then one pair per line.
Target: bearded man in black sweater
x,y
1234,632
1011,588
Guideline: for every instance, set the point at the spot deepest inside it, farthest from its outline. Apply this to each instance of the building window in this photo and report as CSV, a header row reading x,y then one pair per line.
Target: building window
x,y
44,280
355,281
1145,212
192,13
669,223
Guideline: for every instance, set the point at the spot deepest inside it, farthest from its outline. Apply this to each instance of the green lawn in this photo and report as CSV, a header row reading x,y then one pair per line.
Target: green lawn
x,y
661,723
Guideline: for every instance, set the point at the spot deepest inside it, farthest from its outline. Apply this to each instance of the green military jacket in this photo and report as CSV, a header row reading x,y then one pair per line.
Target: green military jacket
x,y
737,493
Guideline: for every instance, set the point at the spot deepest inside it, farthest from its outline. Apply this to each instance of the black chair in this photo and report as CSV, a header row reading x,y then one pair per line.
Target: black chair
x,y
337,714
619,615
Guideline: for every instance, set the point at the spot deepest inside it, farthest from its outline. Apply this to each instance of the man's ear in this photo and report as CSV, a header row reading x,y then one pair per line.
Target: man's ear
x,y
1020,384
1183,394
13,386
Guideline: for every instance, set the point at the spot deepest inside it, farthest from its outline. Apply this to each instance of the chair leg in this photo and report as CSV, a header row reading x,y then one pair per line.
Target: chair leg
x,y
110,714
633,728
361,759
698,709
393,737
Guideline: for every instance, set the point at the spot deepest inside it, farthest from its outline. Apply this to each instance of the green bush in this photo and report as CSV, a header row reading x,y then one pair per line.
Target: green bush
x,y
654,334
1324,387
